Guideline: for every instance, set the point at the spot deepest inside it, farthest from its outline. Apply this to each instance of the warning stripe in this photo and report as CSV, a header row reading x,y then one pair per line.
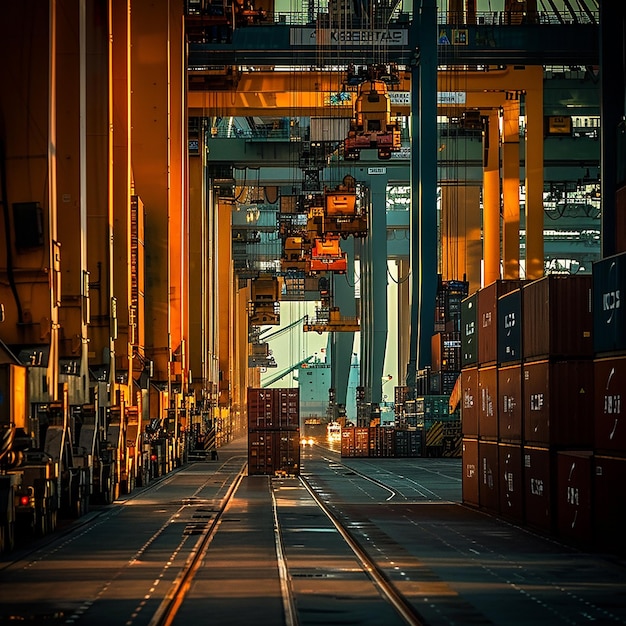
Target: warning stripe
x,y
434,436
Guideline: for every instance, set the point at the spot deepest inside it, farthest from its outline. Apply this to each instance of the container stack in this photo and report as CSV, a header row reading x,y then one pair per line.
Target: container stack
x,y
527,402
273,431
479,395
557,393
380,441
609,463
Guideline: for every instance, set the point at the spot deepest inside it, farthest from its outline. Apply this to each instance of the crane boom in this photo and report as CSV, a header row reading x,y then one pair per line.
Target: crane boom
x,y
285,372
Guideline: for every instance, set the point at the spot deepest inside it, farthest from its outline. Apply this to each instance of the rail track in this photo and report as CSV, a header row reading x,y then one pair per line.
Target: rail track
x,y
347,542
294,502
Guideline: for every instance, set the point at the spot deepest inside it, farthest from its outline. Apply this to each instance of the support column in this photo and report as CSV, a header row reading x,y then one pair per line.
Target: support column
x,y
224,309
342,343
534,175
423,40
510,190
404,317
491,201
461,245
377,321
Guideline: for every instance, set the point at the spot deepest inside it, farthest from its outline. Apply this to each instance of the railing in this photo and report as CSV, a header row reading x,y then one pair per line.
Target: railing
x,y
487,18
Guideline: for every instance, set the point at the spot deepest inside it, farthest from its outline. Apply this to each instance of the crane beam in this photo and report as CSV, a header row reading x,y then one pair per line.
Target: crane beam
x,y
273,93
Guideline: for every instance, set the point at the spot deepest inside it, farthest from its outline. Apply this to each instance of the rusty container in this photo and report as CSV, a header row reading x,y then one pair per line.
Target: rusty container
x,y
510,327
446,351
277,408
362,441
381,441
610,412
558,403
538,480
488,402
273,452
489,476
469,401
470,471
488,318
573,496
557,321
347,441
609,309
287,403
511,481
510,403
469,330
609,504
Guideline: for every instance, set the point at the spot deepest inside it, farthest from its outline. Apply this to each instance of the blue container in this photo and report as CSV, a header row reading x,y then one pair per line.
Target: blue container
x,y
469,330
609,309
510,327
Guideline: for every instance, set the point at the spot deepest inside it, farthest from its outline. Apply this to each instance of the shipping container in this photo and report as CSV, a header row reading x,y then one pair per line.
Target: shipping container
x,y
470,401
559,403
381,441
408,443
573,496
488,318
362,441
446,351
511,481
538,479
273,408
510,327
470,471
510,403
272,452
347,441
442,383
557,320
609,319
488,402
426,384
609,412
489,480
609,503
432,407
469,330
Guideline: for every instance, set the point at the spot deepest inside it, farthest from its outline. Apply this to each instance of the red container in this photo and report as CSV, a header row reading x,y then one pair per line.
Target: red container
x,y
558,403
609,504
381,441
510,403
511,481
489,476
488,318
273,452
273,408
558,322
347,441
538,479
470,472
361,441
573,496
610,413
488,402
446,352
469,401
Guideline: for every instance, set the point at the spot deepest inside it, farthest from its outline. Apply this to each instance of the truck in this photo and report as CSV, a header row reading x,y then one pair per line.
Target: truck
x,y
30,478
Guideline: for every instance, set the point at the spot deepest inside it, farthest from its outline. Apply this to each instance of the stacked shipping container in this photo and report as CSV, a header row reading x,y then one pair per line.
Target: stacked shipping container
x,y
273,431
536,446
609,460
380,441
